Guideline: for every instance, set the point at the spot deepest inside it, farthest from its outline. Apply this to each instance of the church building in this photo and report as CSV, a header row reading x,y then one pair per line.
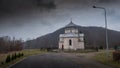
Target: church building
x,y
72,39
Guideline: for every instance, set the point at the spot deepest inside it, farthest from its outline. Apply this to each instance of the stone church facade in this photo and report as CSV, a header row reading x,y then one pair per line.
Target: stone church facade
x,y
72,39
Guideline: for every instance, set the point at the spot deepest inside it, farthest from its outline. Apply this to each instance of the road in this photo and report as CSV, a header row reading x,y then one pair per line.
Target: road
x,y
58,60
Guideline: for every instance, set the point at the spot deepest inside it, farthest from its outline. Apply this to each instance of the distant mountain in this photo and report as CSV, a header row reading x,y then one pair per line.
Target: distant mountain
x,y
94,37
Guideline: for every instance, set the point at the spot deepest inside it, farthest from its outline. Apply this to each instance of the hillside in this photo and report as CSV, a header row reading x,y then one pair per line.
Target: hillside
x,y
94,37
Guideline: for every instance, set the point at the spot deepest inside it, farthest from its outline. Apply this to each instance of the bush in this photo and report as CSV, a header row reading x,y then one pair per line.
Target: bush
x,y
18,55
116,56
101,47
115,47
97,49
8,59
2,62
13,57
22,54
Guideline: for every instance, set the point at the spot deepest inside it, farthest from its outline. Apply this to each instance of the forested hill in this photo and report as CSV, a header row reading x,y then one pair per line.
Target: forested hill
x,y
94,37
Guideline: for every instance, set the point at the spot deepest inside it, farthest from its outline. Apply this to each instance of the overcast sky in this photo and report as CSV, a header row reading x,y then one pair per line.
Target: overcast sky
x,y
29,19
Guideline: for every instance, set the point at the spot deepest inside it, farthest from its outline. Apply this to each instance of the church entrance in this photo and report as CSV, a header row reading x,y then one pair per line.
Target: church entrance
x,y
62,47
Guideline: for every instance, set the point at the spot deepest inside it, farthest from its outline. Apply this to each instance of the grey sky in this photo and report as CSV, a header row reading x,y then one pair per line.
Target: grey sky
x,y
33,21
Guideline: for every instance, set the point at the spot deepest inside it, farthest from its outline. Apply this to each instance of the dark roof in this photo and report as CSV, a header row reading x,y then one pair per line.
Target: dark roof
x,y
71,24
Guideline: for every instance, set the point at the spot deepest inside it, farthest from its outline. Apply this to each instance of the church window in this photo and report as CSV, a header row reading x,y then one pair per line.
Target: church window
x,y
70,42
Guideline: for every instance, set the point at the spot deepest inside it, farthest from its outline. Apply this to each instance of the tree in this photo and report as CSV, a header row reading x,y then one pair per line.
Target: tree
x,y
19,54
6,44
13,57
8,59
22,54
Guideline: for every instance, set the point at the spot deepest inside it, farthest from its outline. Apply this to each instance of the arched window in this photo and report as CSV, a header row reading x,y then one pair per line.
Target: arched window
x,y
70,42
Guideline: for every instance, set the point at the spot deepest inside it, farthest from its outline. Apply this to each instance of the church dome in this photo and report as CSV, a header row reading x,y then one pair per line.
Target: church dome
x,y
71,24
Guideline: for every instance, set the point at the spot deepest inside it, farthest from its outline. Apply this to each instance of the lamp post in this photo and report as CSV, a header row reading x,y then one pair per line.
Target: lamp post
x,y
106,31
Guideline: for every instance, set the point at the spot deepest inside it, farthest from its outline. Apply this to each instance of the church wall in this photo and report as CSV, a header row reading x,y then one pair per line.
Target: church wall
x,y
71,33
75,44
74,31
82,45
66,43
67,31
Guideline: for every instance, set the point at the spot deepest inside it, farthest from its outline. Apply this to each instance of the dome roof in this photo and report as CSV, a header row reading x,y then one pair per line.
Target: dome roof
x,y
71,24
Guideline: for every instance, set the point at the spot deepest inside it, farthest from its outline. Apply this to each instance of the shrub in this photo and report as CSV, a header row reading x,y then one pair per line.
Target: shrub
x,y
17,55
101,47
2,62
115,47
22,54
8,59
97,49
13,57
116,56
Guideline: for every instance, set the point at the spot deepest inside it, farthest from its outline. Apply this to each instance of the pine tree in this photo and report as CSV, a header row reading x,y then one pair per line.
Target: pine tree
x,y
22,54
8,59
18,55
13,56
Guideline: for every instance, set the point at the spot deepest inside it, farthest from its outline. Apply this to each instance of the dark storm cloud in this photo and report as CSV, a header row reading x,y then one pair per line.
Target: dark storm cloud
x,y
12,6
32,18
16,10
20,12
107,1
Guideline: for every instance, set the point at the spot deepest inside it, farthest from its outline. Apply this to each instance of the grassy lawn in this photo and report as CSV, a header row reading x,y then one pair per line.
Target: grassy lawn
x,y
26,54
108,60
81,51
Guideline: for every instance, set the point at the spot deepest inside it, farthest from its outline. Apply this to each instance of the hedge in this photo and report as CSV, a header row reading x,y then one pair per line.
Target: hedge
x,y
13,57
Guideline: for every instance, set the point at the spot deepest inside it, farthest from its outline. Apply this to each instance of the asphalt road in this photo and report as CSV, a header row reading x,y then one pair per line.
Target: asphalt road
x,y
57,60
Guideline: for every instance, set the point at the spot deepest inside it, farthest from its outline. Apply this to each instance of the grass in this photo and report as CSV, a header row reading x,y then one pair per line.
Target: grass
x,y
81,51
27,53
106,59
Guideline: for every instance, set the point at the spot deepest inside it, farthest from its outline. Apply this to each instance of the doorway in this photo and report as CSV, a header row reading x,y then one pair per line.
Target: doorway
x,y
62,47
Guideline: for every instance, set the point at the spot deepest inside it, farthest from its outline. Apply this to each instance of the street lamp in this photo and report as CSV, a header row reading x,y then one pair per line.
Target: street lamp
x,y
106,31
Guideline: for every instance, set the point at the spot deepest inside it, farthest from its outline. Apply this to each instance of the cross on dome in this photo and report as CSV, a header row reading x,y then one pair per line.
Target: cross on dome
x,y
71,24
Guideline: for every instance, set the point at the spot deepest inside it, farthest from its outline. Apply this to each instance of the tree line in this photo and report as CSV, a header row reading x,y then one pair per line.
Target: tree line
x,y
8,44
